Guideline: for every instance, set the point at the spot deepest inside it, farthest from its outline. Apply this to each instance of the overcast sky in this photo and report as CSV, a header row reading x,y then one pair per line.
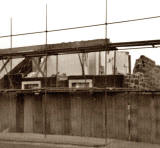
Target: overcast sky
x,y
29,15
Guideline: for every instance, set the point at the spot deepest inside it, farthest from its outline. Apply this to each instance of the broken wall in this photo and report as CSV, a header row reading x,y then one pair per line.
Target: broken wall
x,y
146,75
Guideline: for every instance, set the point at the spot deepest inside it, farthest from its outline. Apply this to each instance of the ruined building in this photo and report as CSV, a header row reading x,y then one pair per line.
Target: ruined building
x,y
146,75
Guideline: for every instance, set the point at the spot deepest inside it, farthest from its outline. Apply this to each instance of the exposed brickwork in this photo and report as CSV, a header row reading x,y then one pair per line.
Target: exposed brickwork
x,y
146,75
136,81
143,64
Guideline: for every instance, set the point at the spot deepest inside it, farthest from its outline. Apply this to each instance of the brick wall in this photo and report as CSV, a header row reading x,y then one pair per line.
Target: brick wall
x,y
136,81
143,64
146,75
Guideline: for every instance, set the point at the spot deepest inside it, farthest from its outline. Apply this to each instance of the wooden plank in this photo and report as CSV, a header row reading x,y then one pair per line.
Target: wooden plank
x,y
97,115
67,113
117,125
33,114
7,112
144,118
87,108
4,112
20,113
123,110
153,118
28,113
60,114
110,116
37,114
104,114
56,114
157,119
76,115
134,116
12,111
47,115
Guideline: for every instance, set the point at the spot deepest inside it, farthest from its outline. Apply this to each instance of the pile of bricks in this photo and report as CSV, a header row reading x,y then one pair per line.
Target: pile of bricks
x,y
146,75
136,81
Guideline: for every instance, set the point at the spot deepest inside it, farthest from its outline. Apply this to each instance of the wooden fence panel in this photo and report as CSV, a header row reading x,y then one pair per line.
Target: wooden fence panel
x,y
156,119
7,112
129,116
144,118
58,113
67,113
37,114
76,115
133,116
98,115
20,113
33,114
28,113
87,109
117,113
12,111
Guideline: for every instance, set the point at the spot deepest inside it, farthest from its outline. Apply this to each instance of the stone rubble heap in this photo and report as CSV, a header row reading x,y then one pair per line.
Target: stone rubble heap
x,y
146,75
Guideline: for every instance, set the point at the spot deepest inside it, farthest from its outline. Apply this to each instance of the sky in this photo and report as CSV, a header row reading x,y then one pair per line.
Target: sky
x,y
29,16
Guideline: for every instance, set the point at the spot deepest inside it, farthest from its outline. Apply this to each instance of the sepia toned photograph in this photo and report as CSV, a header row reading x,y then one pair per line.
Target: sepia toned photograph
x,y
79,74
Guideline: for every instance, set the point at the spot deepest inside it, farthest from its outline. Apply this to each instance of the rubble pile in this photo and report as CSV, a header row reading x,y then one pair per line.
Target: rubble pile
x,y
146,75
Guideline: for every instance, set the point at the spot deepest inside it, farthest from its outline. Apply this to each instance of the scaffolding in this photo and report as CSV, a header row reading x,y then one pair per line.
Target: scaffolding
x,y
69,48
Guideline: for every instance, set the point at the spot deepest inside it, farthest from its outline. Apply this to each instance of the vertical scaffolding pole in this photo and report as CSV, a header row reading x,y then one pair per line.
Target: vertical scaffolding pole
x,y
105,118
106,40
99,63
46,25
11,41
45,98
114,70
9,95
10,59
56,64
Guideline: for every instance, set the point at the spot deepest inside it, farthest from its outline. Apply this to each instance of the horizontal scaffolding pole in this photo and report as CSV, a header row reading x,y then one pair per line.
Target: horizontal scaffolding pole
x,y
136,43
81,27
71,48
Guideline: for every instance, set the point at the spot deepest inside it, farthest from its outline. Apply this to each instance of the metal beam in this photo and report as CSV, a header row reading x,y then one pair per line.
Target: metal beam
x,y
71,48
10,81
38,67
135,43
4,65
54,49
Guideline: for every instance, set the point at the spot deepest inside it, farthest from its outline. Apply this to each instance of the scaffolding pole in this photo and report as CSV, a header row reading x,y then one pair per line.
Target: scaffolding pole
x,y
11,42
106,36
45,71
105,118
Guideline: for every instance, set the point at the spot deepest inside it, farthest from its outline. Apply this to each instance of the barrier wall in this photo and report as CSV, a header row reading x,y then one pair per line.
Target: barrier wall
x,y
121,115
